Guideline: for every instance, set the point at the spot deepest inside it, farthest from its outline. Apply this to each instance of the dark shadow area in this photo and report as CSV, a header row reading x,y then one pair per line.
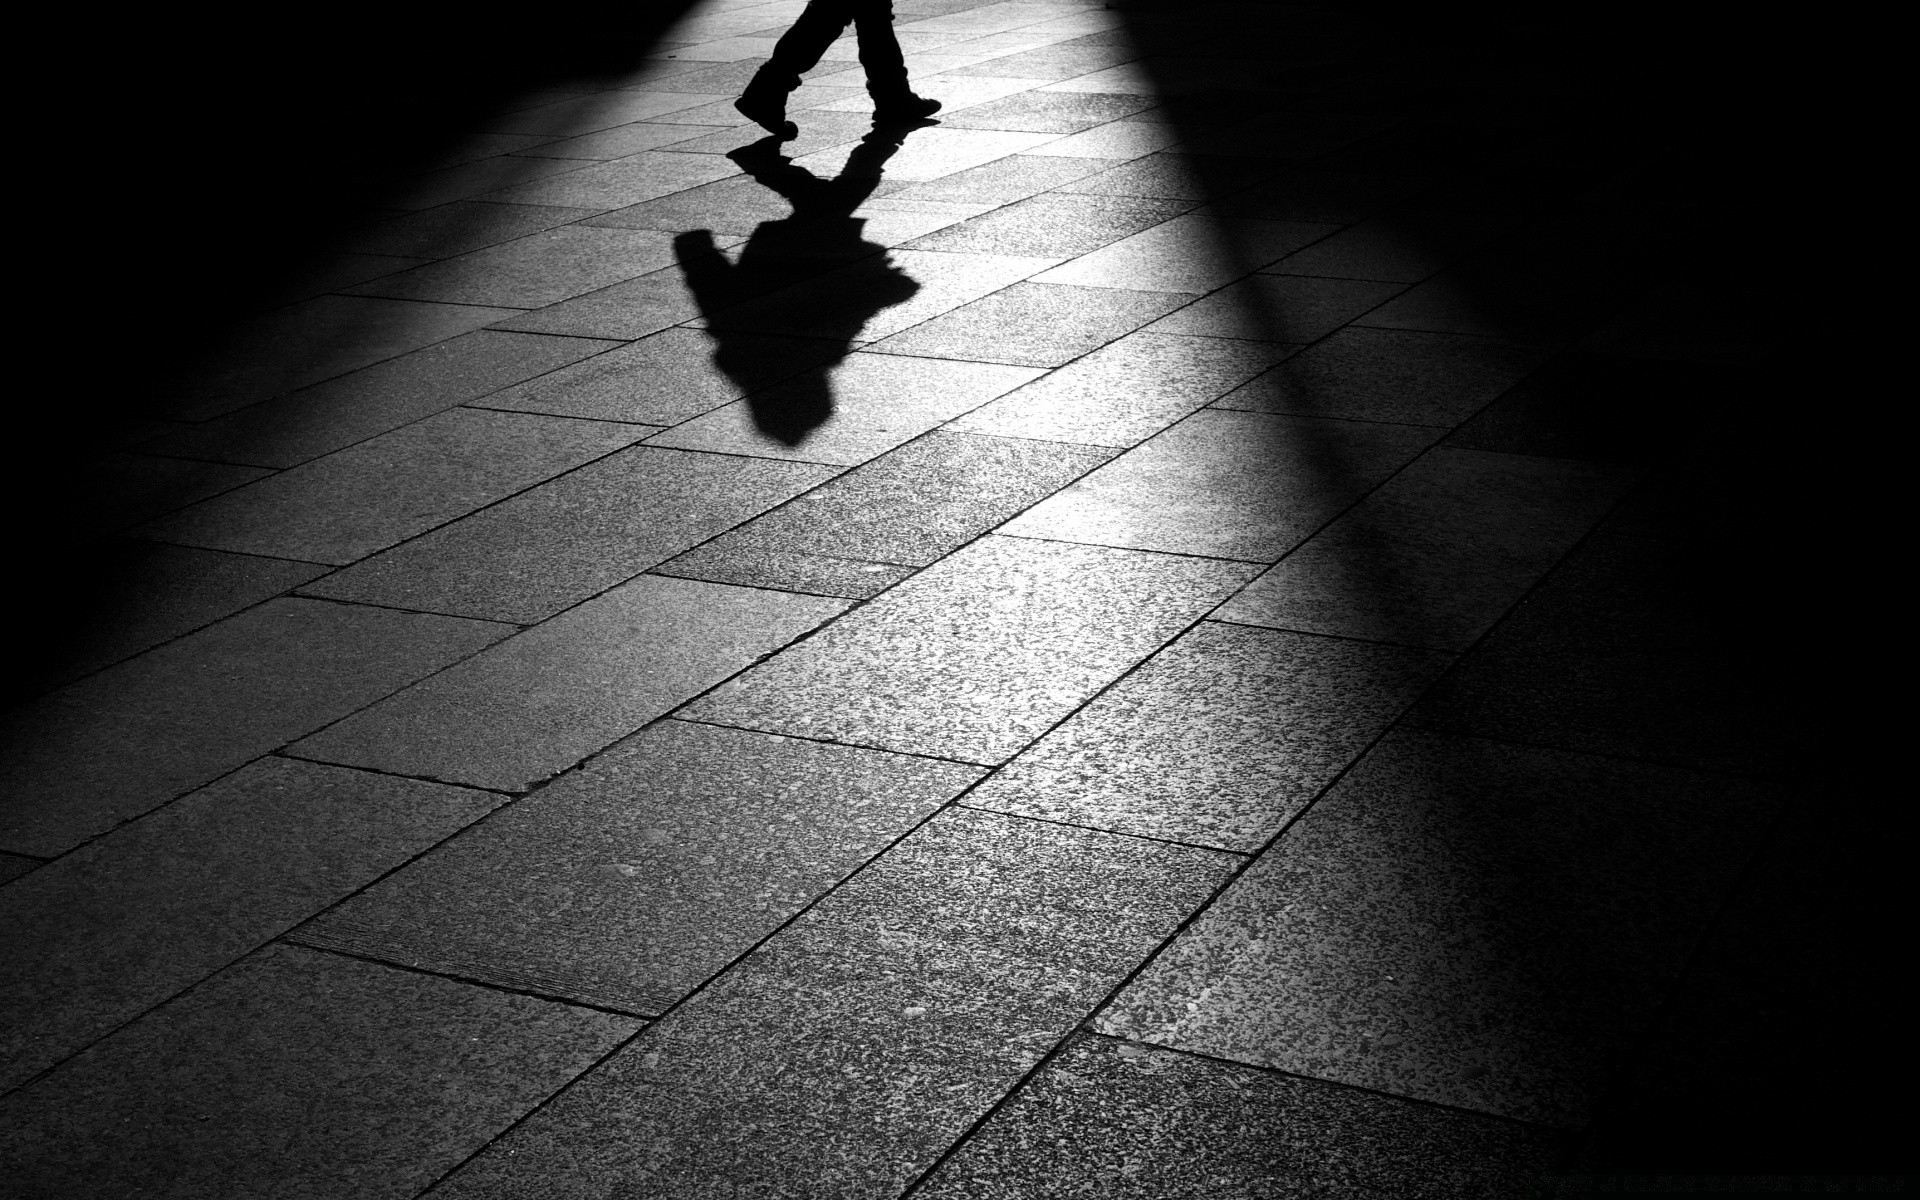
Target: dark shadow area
x,y
822,234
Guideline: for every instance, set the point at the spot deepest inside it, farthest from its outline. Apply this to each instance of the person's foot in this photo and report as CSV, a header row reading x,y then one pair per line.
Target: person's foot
x,y
770,115
904,110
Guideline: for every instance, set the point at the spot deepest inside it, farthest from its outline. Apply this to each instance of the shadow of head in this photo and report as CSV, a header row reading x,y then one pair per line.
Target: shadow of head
x,y
794,300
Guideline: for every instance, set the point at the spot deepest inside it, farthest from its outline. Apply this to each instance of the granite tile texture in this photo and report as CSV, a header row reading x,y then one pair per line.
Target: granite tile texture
x,y
1124,392
1439,553
1391,375
367,497
750,564
461,226
350,408
630,309
1110,1120
1472,923
116,491
1218,740
847,1053
622,181
534,271
1227,484
120,742
1277,308
857,409
1032,324
1053,225
1004,180
1175,176
1047,112
546,698
549,547
976,656
298,1073
1194,253
100,935
632,881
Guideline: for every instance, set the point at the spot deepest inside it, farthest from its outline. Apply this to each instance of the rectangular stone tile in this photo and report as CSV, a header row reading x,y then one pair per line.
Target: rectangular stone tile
x,y
1119,141
535,271
1218,740
1397,247
1053,225
1470,923
956,93
753,564
311,341
461,226
367,497
575,115
477,146
865,405
1277,308
1439,553
109,747
1005,180
1051,63
1627,648
1144,1124
631,882
666,378
1047,112
619,142
1032,324
546,698
858,302
1124,392
1194,253
116,491
630,309
737,204
1391,375
1175,176
860,1042
530,556
100,935
151,593
910,506
373,400
932,153
977,655
819,130
1228,485
469,180
304,1072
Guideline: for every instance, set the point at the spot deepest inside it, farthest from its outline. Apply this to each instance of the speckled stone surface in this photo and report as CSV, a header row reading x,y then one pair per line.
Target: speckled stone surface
x,y
869,404
978,654
1047,112
915,504
1003,180
367,497
1219,739
98,936
749,565
1437,554
113,745
1472,923
544,268
1124,392
13,866
1391,375
842,1058
629,883
296,1073
1033,324
1053,224
1110,1120
1194,253
1276,308
534,554
664,379
1227,484
544,699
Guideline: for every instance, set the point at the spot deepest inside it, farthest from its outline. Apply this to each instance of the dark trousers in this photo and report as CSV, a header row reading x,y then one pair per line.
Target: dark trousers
x,y
800,48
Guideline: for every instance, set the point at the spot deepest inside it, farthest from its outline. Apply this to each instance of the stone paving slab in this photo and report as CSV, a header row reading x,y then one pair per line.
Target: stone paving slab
x,y
576,115
473,180
1391,375
979,654
621,141
1196,253
1053,225
545,699
1032,324
1124,392
552,546
1218,740
1277,308
350,408
1004,180
302,1073
367,497
1471,923
876,402
118,743
118,491
461,226
629,883
1439,553
627,310
101,935
1228,485
847,1053
1111,1120
534,271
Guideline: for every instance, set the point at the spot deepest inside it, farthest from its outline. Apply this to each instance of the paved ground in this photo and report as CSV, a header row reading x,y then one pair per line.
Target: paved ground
x,y
1166,635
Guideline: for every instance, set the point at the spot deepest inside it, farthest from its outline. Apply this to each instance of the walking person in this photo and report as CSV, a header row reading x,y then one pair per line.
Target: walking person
x,y
799,50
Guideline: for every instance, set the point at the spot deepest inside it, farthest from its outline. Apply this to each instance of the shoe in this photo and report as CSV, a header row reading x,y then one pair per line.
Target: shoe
x,y
902,110
770,115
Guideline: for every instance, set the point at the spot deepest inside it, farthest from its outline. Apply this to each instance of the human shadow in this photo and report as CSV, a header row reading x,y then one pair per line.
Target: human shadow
x,y
810,275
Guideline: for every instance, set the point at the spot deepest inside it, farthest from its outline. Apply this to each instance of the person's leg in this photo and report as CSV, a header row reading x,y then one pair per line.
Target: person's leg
x,y
893,98
797,52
